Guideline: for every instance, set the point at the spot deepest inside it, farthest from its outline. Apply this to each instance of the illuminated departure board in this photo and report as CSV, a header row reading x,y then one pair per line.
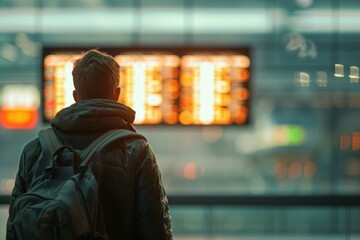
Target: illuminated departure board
x,y
58,83
214,89
171,86
149,85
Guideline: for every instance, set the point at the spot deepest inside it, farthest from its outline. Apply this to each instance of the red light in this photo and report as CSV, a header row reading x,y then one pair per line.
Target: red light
x,y
355,141
190,170
18,118
295,170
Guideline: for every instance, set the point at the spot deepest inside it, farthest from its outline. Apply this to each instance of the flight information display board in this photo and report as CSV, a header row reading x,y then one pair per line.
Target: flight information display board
x,y
164,86
149,85
57,83
214,89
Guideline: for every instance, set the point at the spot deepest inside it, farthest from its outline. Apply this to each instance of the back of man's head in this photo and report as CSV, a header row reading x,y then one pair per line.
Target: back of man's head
x,y
95,75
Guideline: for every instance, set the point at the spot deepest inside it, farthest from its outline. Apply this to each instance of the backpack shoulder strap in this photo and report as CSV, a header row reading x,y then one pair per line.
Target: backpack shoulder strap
x,y
49,141
49,144
104,140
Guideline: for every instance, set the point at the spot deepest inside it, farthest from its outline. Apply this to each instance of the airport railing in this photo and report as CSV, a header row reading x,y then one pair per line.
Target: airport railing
x,y
264,200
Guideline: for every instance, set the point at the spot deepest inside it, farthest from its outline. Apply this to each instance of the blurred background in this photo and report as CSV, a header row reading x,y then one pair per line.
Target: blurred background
x,y
303,134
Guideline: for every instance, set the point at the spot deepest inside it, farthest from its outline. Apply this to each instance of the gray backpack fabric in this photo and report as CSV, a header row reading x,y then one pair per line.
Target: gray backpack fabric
x,y
62,201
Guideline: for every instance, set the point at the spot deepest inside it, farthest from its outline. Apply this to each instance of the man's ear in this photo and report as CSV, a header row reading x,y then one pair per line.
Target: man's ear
x,y
75,96
117,94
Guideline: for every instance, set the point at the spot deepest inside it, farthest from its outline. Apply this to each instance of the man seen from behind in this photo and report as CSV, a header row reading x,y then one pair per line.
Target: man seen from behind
x,y
132,194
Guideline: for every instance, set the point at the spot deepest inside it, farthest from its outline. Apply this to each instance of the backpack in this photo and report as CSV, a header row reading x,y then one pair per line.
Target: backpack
x,y
62,202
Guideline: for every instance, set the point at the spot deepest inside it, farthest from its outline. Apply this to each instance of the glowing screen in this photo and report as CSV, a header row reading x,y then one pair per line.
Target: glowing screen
x,y
19,108
58,83
149,85
164,87
214,89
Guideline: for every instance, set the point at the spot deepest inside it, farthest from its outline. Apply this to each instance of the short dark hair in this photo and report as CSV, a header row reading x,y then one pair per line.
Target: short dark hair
x,y
96,75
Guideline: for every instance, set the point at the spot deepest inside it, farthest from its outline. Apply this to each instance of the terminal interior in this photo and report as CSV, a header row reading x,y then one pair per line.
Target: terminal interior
x,y
252,107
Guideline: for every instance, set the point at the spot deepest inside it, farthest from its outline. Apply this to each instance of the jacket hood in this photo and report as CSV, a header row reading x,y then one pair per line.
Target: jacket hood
x,y
93,115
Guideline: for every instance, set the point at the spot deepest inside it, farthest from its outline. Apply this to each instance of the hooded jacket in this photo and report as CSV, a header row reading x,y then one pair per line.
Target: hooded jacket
x,y
132,194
